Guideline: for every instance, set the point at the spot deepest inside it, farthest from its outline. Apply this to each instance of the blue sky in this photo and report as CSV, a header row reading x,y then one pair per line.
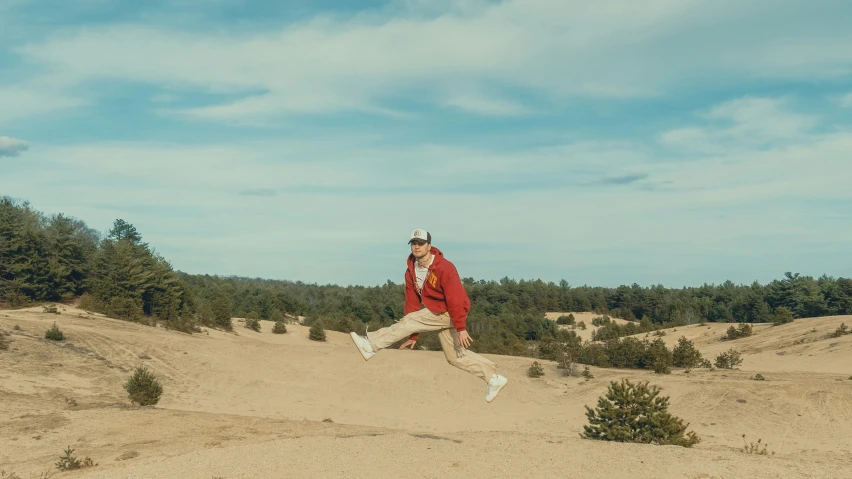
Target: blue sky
x,y
674,142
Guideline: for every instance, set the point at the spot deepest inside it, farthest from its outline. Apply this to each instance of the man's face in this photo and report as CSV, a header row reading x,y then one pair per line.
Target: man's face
x,y
419,248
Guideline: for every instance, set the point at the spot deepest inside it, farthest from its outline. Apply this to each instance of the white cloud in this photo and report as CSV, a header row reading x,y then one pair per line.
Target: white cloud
x,y
33,100
12,147
745,123
487,106
763,116
555,48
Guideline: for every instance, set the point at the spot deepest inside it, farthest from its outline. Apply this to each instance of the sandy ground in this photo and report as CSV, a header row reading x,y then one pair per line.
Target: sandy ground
x,y
247,404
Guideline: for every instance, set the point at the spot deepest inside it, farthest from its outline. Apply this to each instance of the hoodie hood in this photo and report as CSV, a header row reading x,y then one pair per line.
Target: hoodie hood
x,y
439,256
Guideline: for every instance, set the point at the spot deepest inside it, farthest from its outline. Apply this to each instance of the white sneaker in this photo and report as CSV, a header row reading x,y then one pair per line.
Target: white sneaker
x,y
363,346
495,384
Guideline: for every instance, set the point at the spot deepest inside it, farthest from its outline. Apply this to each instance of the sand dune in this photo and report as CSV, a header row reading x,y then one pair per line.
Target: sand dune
x,y
804,345
250,404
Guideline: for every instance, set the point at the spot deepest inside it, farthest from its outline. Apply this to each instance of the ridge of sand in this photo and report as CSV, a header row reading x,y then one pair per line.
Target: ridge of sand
x,y
250,404
805,345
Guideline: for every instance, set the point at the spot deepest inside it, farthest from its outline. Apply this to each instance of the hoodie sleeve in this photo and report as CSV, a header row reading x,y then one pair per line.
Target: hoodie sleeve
x,y
458,304
412,301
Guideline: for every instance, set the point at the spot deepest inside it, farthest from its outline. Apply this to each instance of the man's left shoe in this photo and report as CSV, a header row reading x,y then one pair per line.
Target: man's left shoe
x,y
364,346
495,384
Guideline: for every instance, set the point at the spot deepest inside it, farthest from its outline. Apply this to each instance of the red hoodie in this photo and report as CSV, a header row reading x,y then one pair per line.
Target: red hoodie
x,y
442,291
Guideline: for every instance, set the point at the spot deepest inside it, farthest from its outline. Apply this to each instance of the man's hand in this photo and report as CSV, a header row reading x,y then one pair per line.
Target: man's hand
x,y
408,344
465,339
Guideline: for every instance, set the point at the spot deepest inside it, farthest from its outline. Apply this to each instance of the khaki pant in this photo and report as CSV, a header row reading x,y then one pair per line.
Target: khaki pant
x,y
424,320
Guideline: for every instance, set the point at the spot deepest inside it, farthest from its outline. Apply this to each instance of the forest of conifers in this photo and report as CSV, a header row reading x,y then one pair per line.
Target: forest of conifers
x,y
57,258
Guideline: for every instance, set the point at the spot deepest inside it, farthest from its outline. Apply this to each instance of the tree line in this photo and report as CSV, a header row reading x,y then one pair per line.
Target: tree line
x,y
57,258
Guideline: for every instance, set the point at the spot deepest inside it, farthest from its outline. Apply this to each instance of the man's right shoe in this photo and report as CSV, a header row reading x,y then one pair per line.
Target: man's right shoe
x,y
363,346
495,384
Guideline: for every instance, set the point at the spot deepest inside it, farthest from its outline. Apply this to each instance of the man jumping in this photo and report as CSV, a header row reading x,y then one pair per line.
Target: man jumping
x,y
432,280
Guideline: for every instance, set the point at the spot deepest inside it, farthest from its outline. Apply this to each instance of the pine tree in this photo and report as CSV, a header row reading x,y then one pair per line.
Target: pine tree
x,y
143,387
636,413
782,316
221,310
253,324
744,330
685,355
317,332
659,358
122,270
279,327
24,267
70,249
54,333
729,359
122,230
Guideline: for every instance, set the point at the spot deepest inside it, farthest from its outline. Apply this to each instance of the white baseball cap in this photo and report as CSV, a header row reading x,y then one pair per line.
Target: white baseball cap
x,y
421,234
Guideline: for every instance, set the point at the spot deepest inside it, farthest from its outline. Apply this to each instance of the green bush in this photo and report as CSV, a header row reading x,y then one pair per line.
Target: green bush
x,y
317,332
587,373
125,308
660,367
69,463
595,355
581,325
569,320
220,312
535,370
275,315
613,330
659,357
87,302
182,323
253,315
636,413
143,388
279,327
744,330
782,316
729,359
627,353
548,349
54,333
253,324
601,320
685,354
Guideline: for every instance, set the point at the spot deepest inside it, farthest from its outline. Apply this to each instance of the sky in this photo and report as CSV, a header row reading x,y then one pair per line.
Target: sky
x,y
605,142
